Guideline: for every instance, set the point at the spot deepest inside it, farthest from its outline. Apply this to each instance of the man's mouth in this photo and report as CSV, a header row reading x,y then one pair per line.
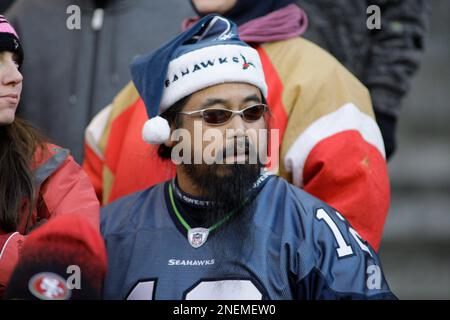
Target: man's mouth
x,y
235,154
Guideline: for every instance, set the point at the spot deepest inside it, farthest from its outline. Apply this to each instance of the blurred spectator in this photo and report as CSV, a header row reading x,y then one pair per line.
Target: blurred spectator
x,y
4,5
84,68
384,60
330,144
63,260
38,180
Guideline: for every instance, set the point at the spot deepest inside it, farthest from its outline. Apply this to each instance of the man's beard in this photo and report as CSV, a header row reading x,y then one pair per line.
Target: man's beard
x,y
226,186
228,193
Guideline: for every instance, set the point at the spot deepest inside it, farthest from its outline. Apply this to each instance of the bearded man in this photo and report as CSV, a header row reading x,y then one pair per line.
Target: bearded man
x,y
224,227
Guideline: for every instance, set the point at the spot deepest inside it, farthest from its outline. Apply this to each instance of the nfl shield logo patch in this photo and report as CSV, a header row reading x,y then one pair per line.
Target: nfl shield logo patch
x,y
197,236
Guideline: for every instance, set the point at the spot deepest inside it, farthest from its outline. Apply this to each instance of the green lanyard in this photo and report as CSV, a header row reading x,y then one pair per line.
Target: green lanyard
x,y
185,224
198,236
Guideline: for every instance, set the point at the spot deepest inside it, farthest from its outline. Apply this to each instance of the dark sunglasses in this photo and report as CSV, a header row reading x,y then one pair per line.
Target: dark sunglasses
x,y
217,116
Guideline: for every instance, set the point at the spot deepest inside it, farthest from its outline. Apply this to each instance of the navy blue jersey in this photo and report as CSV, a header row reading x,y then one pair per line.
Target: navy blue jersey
x,y
297,248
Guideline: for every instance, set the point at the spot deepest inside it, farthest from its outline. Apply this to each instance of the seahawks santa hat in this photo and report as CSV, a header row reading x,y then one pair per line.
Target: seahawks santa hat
x,y
207,54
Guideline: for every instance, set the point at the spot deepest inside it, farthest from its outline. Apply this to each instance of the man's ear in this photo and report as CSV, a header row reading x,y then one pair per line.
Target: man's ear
x,y
169,142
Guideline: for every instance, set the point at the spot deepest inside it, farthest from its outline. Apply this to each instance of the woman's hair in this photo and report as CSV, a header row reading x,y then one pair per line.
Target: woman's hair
x,y
18,143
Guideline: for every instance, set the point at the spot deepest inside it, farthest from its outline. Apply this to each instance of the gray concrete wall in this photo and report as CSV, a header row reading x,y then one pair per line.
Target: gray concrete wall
x,y
416,244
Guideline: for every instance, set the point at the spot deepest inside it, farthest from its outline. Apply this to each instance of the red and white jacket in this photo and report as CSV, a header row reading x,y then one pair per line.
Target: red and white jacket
x,y
330,144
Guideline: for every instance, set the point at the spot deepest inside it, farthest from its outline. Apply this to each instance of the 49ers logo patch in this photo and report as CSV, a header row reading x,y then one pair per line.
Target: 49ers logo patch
x,y
49,286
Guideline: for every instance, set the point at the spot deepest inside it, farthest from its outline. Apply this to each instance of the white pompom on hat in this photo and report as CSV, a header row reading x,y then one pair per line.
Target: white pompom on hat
x,y
156,130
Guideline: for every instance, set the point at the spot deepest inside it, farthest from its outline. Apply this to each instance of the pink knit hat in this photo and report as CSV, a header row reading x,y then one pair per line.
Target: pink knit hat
x,y
9,40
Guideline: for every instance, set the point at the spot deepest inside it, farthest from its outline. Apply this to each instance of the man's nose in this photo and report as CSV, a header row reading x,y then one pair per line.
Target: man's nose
x,y
236,128
237,123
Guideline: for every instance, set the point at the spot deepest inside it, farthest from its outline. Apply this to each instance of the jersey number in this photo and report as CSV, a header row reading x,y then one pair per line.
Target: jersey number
x,y
204,290
343,249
